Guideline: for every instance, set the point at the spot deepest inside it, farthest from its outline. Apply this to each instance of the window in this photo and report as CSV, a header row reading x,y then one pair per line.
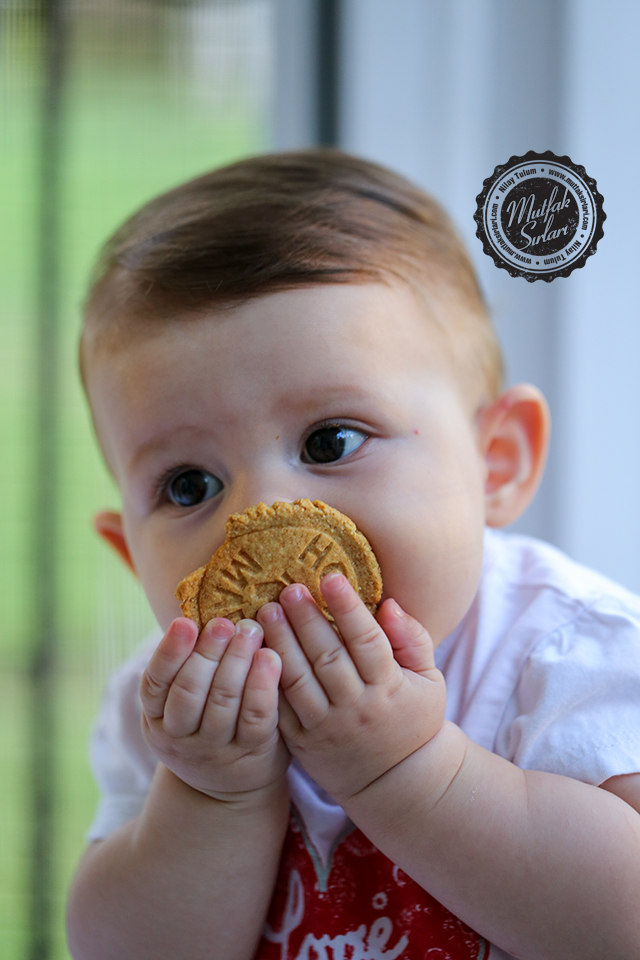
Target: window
x,y
103,103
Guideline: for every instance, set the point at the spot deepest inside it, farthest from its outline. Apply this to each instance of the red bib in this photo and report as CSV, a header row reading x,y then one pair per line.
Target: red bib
x,y
359,907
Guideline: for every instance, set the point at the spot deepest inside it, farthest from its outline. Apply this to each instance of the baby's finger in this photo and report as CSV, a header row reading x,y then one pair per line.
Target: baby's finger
x,y
188,693
364,638
412,644
258,720
288,721
167,659
222,708
326,653
298,681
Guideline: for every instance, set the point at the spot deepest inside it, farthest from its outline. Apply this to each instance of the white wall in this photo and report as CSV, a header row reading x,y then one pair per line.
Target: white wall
x,y
444,92
599,484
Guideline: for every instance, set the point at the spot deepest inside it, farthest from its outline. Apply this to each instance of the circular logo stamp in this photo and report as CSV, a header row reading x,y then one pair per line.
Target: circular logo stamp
x,y
539,216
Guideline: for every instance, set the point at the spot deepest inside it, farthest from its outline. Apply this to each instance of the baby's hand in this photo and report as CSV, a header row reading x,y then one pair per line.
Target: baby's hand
x,y
210,707
351,711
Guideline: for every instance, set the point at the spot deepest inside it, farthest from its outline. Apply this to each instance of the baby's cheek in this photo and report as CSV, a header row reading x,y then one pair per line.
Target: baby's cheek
x,y
455,585
435,581
162,599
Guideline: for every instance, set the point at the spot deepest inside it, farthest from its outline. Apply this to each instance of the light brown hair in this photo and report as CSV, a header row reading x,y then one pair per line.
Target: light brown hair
x,y
273,222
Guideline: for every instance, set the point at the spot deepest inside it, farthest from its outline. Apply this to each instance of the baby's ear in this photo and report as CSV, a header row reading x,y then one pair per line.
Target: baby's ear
x,y
110,527
513,436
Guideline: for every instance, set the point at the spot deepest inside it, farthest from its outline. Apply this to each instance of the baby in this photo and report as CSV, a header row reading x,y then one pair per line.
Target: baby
x,y
309,325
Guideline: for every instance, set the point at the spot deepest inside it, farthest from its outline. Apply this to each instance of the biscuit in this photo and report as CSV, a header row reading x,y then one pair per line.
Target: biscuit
x,y
267,548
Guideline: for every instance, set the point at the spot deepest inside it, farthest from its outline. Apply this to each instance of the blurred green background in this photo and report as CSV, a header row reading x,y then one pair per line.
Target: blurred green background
x,y
152,94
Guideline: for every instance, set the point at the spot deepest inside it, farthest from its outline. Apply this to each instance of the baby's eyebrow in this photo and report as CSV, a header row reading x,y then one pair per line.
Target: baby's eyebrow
x,y
163,443
370,402
319,394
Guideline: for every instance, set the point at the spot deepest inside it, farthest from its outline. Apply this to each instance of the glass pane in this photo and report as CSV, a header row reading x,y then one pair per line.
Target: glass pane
x,y
153,93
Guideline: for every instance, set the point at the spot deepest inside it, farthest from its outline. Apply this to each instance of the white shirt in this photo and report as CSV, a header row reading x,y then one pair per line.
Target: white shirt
x,y
543,670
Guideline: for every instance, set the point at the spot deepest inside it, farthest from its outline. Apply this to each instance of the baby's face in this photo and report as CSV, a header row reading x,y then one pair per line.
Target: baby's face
x,y
340,393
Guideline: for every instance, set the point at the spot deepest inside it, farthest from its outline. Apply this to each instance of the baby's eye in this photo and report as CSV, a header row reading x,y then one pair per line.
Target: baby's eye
x,y
333,442
191,487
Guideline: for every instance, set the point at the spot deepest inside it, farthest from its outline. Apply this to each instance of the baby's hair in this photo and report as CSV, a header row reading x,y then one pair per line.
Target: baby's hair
x,y
284,220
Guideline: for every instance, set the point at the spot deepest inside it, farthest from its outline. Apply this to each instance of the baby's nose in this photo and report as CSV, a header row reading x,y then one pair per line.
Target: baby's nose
x,y
267,482
259,493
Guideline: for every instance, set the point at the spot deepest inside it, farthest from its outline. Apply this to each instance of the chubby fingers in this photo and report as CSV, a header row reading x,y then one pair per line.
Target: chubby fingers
x,y
220,684
258,715
318,668
412,644
364,637
176,682
223,696
300,685
162,669
187,697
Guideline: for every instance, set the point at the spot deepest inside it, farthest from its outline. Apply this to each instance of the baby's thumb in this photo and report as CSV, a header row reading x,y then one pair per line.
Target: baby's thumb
x,y
412,644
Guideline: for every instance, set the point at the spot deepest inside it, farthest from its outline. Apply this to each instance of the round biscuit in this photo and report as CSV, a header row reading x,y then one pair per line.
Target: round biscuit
x,y
267,548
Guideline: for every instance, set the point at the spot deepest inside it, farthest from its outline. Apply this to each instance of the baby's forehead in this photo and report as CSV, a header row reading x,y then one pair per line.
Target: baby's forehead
x,y
342,311
313,340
